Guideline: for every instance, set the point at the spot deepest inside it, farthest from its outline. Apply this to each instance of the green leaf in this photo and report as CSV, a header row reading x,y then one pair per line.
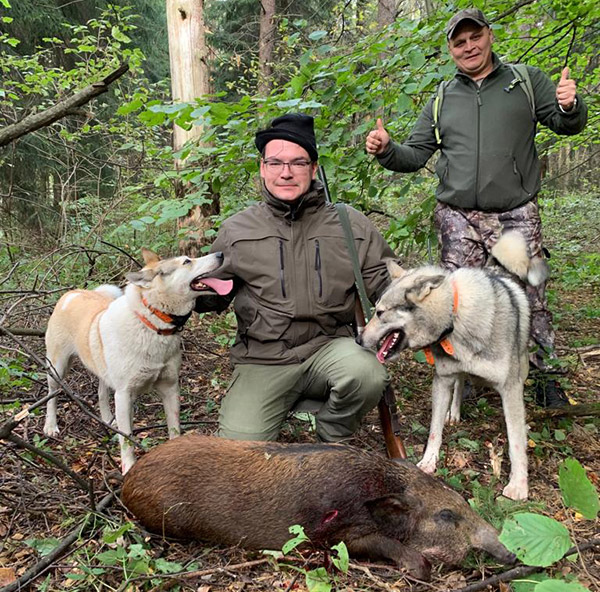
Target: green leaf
x,y
471,445
43,546
287,104
560,586
536,540
5,3
528,584
168,567
342,561
119,35
296,541
559,435
316,35
111,536
318,580
578,491
419,356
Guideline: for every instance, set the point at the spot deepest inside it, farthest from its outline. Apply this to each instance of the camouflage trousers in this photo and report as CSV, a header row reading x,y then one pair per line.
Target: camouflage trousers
x,y
466,238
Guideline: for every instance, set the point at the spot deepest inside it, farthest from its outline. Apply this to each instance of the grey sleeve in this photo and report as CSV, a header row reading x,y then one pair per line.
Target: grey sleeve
x,y
414,153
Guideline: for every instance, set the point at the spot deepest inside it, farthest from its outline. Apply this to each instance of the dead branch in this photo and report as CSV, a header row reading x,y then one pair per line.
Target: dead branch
x,y
523,570
44,563
27,331
86,486
60,110
567,411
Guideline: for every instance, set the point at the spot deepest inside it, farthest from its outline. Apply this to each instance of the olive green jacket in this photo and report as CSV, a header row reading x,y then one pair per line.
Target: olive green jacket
x,y
488,160
293,277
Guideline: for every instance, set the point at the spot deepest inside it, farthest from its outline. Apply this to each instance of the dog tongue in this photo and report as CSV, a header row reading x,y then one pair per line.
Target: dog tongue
x,y
221,287
387,343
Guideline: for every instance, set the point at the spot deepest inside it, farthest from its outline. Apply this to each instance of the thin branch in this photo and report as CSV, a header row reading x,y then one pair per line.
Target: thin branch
x,y
36,121
55,461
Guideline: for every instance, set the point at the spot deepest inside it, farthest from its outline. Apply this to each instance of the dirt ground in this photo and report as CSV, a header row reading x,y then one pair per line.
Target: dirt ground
x,y
39,501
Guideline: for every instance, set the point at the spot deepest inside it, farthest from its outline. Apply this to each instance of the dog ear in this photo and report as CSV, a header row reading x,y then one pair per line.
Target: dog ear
x,y
423,288
143,277
394,269
149,256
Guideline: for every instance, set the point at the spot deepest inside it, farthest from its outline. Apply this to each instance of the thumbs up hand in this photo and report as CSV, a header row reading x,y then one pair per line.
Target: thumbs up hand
x,y
378,139
566,91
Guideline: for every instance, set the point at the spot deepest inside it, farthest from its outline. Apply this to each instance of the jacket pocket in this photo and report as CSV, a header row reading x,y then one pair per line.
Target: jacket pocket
x,y
500,183
333,275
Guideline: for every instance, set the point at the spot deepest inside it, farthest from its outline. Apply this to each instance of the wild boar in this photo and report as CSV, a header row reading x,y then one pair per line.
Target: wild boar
x,y
250,493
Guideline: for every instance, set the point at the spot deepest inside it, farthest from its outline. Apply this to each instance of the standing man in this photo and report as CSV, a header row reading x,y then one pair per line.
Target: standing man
x,y
295,297
488,168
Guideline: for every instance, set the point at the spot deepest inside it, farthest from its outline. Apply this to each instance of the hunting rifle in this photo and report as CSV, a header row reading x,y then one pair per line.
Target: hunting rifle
x,y
388,415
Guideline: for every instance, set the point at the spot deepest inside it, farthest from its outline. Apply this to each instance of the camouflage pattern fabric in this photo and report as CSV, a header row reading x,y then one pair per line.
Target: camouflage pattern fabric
x,y
467,237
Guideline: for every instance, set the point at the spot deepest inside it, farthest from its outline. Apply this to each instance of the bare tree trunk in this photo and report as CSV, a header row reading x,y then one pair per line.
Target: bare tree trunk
x,y
189,80
187,55
386,12
266,44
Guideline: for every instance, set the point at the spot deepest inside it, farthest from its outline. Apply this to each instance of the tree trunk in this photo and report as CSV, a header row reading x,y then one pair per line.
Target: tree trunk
x,y
386,12
266,43
189,80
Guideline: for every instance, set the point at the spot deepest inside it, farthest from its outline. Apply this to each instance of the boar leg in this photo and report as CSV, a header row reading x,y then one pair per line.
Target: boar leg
x,y
377,546
516,428
441,393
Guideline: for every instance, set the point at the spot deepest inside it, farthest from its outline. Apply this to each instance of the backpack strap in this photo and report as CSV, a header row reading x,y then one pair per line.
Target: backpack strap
x,y
437,109
522,78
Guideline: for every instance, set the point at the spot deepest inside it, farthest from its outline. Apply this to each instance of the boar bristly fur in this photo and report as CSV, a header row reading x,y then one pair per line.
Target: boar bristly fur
x,y
250,493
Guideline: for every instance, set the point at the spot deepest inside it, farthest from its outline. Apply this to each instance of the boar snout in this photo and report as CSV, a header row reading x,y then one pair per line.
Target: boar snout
x,y
497,550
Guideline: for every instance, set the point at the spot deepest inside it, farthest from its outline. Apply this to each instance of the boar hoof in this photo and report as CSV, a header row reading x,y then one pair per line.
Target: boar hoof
x,y
418,567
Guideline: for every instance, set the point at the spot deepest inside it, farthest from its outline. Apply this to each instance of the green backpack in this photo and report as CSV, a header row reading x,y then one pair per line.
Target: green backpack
x,y
521,77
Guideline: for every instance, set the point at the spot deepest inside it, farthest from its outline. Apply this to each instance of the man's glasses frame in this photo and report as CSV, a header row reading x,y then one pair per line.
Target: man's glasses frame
x,y
296,166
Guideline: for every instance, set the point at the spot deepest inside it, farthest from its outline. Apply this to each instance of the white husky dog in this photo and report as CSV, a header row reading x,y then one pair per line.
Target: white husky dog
x,y
130,340
469,322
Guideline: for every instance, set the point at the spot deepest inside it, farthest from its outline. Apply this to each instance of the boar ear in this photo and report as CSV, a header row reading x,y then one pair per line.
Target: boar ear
x,y
391,509
423,288
394,269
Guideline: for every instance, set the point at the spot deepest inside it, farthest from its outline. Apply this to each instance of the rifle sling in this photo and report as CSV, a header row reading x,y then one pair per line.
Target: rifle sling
x,y
358,279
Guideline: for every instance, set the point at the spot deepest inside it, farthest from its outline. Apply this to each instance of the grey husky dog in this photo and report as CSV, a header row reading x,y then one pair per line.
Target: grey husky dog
x,y
469,322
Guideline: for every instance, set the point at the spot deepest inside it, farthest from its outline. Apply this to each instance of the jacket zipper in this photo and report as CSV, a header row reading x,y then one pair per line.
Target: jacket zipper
x,y
478,144
318,267
281,268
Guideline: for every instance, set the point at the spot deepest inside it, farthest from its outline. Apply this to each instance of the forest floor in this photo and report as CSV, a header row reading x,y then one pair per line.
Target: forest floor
x,y
40,505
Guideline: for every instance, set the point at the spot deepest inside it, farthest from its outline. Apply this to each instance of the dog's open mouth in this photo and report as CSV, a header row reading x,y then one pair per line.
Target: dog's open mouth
x,y
221,287
392,343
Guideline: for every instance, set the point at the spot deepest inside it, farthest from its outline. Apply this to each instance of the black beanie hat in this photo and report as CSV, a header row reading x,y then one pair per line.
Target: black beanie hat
x,y
293,127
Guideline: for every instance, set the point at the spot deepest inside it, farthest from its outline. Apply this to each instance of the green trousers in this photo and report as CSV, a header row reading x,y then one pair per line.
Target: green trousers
x,y
346,377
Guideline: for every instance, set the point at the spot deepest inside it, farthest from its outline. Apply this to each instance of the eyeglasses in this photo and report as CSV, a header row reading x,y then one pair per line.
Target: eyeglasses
x,y
296,166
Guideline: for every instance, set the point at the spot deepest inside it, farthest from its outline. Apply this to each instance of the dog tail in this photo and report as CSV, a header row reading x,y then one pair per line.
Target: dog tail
x,y
511,252
109,291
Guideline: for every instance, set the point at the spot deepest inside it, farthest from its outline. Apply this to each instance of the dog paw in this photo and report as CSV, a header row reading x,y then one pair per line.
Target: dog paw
x,y
515,492
51,430
452,418
427,465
